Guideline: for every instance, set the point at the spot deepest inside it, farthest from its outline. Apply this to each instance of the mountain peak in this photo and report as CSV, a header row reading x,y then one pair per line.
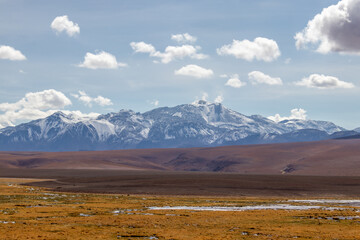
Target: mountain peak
x,y
200,123
58,114
204,103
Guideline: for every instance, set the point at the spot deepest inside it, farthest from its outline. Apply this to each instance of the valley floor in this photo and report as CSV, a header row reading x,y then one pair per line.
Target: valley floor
x,y
28,212
189,183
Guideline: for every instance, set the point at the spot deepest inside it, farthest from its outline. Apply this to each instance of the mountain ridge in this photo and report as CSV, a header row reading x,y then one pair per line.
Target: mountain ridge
x,y
200,124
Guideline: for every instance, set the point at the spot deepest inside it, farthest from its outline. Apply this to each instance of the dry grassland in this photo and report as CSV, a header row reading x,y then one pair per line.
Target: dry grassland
x,y
35,213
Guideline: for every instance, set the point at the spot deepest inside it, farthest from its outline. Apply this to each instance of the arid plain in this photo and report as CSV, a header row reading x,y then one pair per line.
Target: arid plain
x,y
36,213
278,191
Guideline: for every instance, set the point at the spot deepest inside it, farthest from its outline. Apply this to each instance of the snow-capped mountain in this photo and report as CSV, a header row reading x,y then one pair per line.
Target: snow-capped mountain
x,y
298,124
357,130
188,125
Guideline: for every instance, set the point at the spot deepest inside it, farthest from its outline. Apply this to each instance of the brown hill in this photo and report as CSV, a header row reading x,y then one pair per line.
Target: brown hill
x,y
333,158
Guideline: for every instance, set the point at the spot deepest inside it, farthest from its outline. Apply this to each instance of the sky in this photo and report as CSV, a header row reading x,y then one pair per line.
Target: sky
x,y
277,58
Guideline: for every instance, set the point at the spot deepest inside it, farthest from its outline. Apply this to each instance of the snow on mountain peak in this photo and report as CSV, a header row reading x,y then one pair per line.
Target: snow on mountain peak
x,y
200,123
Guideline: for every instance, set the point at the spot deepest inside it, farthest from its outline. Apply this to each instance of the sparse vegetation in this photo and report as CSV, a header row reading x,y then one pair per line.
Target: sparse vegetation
x,y
35,213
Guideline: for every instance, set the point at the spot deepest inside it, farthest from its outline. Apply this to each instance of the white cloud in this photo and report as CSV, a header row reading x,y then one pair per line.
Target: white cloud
x,y
9,53
33,106
155,103
47,99
179,52
204,96
170,54
62,23
235,82
287,61
219,99
194,71
183,38
335,29
101,60
102,101
224,76
323,82
260,49
257,77
87,100
81,116
142,47
296,113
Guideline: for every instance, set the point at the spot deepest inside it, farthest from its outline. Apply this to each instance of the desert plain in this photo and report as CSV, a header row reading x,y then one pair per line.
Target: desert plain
x,y
41,200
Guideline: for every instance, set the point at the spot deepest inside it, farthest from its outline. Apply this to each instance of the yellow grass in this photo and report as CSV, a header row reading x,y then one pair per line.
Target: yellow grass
x,y
35,213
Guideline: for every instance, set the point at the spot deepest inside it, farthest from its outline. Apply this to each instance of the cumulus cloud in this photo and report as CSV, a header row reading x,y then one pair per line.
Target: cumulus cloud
x,y
142,47
183,38
101,60
296,113
80,115
235,82
33,106
224,76
102,101
155,103
9,53
335,29
87,100
196,71
204,96
261,49
179,52
257,77
170,54
323,82
63,24
219,99
46,99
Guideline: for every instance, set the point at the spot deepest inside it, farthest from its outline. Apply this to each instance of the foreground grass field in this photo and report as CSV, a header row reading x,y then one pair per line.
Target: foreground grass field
x,y
35,213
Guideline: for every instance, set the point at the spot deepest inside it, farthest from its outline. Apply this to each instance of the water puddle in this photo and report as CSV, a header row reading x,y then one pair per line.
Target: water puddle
x,y
137,237
129,212
350,203
337,218
7,222
244,208
84,215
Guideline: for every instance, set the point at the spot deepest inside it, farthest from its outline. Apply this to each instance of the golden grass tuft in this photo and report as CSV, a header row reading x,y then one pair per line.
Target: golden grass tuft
x,y
36,213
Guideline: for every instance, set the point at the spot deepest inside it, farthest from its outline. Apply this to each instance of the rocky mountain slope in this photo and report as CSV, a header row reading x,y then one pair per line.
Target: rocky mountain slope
x,y
189,125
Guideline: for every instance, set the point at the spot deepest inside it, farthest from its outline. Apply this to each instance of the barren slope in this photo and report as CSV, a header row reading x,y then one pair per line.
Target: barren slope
x,y
335,157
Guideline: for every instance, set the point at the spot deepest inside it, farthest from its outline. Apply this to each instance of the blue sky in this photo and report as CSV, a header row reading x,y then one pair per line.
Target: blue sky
x,y
54,58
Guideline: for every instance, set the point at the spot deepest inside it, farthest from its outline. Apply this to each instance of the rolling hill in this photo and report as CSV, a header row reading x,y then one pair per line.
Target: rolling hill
x,y
331,157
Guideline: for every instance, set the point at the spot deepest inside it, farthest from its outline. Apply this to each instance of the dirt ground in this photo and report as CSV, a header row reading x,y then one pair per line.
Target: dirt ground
x,y
189,183
35,213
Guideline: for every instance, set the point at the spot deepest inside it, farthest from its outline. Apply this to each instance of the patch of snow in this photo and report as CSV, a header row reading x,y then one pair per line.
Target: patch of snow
x,y
103,128
167,137
145,132
177,114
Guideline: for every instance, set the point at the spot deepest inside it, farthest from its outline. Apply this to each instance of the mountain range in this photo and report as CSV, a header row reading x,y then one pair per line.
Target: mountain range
x,y
200,124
